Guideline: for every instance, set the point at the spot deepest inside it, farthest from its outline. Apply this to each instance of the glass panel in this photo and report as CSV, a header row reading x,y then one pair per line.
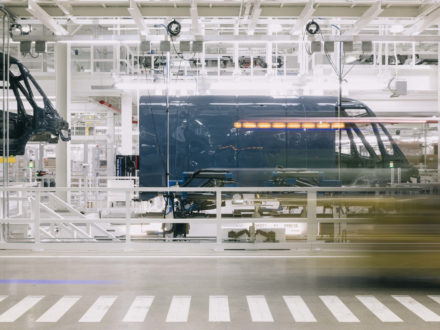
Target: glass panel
x,y
103,67
386,141
103,52
367,131
355,112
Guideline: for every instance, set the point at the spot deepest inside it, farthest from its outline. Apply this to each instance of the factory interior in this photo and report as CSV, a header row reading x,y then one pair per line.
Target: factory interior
x,y
220,164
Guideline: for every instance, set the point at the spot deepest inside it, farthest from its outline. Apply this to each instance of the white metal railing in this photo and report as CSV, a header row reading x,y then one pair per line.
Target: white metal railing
x,y
41,219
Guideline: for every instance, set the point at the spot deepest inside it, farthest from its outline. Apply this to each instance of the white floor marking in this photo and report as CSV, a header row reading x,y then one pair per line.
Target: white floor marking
x,y
3,298
339,309
382,312
139,309
259,309
97,311
20,308
435,298
298,308
179,309
219,309
417,308
54,313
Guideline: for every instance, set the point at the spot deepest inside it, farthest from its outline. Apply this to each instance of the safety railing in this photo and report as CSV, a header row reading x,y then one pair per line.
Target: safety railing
x,y
233,218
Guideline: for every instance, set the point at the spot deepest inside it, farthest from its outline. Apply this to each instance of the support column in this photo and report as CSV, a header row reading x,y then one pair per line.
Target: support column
x,y
236,67
438,106
111,153
127,124
312,222
62,98
269,47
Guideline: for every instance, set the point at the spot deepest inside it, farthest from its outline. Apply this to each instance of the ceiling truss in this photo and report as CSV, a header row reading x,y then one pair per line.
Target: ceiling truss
x,y
248,17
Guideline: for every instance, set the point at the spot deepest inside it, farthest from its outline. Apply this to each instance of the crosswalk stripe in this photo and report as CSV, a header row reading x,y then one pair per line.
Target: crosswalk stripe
x,y
139,309
179,309
417,308
339,310
298,308
219,309
382,312
20,308
99,308
54,313
259,309
435,298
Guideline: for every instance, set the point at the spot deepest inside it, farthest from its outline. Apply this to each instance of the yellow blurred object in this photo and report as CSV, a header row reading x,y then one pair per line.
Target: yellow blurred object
x,y
249,125
293,125
323,125
338,125
308,125
11,160
263,125
278,125
237,125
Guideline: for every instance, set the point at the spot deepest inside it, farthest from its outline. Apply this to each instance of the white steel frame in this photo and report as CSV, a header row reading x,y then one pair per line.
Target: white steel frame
x,y
87,242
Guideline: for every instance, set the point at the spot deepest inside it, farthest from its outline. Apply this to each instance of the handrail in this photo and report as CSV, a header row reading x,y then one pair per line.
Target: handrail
x,y
226,189
80,226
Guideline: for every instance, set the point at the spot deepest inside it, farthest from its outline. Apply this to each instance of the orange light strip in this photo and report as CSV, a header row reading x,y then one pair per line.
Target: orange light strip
x,y
249,125
323,125
308,125
338,125
263,125
291,125
278,125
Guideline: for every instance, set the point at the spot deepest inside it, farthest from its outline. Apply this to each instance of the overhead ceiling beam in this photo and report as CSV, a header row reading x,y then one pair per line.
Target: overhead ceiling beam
x,y
370,14
65,7
291,9
304,17
256,12
247,9
425,22
242,39
137,17
195,27
425,10
44,17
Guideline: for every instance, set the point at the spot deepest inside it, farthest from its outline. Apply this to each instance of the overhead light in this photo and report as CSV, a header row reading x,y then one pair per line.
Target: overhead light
x,y
396,28
26,29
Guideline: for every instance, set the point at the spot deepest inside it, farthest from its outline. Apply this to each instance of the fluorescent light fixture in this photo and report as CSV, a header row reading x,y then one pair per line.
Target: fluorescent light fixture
x,y
396,28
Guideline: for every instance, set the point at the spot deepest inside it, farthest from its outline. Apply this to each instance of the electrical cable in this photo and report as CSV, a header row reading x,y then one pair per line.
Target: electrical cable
x,y
328,55
351,68
33,56
182,58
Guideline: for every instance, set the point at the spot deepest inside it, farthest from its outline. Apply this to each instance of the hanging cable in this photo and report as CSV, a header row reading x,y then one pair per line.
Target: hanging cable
x,y
328,55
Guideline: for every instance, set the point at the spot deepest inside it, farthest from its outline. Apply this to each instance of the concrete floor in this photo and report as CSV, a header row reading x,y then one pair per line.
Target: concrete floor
x,y
253,282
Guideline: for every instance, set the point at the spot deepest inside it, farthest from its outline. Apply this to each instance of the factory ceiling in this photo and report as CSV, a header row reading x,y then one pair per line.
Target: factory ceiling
x,y
208,19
